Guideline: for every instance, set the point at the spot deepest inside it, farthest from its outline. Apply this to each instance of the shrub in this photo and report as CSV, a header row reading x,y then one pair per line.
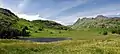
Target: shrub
x,y
40,29
117,31
104,33
36,31
24,31
31,26
113,31
51,32
26,28
60,32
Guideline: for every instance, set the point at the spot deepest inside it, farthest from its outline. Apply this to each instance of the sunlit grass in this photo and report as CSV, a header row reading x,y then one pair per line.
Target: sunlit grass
x,y
93,46
74,34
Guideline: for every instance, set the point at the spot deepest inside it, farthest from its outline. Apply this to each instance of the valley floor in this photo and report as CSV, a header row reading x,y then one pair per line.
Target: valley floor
x,y
84,42
107,46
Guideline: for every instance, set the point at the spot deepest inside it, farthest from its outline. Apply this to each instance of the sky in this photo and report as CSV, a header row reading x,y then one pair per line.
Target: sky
x,y
65,12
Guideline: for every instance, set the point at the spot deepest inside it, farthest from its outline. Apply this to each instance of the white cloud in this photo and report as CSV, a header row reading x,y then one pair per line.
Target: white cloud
x,y
68,19
31,17
36,17
118,14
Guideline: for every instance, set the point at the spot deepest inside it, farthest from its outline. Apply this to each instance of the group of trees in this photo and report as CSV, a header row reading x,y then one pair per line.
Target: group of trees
x,y
11,32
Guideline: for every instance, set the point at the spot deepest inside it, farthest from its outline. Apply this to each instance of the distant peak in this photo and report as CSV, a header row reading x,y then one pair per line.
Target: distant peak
x,y
101,16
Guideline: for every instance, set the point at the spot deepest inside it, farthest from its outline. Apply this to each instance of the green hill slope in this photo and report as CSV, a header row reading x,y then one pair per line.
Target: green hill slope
x,y
11,25
97,22
49,24
7,22
100,22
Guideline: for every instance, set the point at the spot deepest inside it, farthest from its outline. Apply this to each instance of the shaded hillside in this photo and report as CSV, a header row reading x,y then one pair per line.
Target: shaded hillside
x,y
7,18
8,22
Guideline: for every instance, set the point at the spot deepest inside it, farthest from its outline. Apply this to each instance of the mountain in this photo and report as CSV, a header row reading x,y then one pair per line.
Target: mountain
x,y
99,22
11,26
49,24
101,16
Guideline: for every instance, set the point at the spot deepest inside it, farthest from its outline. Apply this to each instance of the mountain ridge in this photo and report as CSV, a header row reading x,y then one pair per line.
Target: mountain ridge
x,y
99,21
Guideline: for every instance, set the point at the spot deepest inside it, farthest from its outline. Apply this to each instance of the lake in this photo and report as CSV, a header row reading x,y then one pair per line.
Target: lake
x,y
45,39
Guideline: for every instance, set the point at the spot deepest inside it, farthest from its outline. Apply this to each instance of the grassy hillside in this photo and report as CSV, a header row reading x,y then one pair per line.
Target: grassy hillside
x,y
12,26
97,22
100,23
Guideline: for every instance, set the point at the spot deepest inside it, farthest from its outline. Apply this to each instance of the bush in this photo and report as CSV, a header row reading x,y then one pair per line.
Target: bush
x,y
36,31
40,29
26,28
104,33
60,32
117,31
51,32
113,32
31,26
24,31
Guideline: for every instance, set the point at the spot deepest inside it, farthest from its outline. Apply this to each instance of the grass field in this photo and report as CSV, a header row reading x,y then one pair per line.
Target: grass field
x,y
103,46
74,34
84,42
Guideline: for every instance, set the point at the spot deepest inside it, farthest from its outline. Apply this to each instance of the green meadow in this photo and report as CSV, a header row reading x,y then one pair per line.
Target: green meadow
x,y
84,42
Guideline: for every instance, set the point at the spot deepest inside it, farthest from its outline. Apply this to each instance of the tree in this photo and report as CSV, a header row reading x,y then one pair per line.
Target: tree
x,y
24,31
